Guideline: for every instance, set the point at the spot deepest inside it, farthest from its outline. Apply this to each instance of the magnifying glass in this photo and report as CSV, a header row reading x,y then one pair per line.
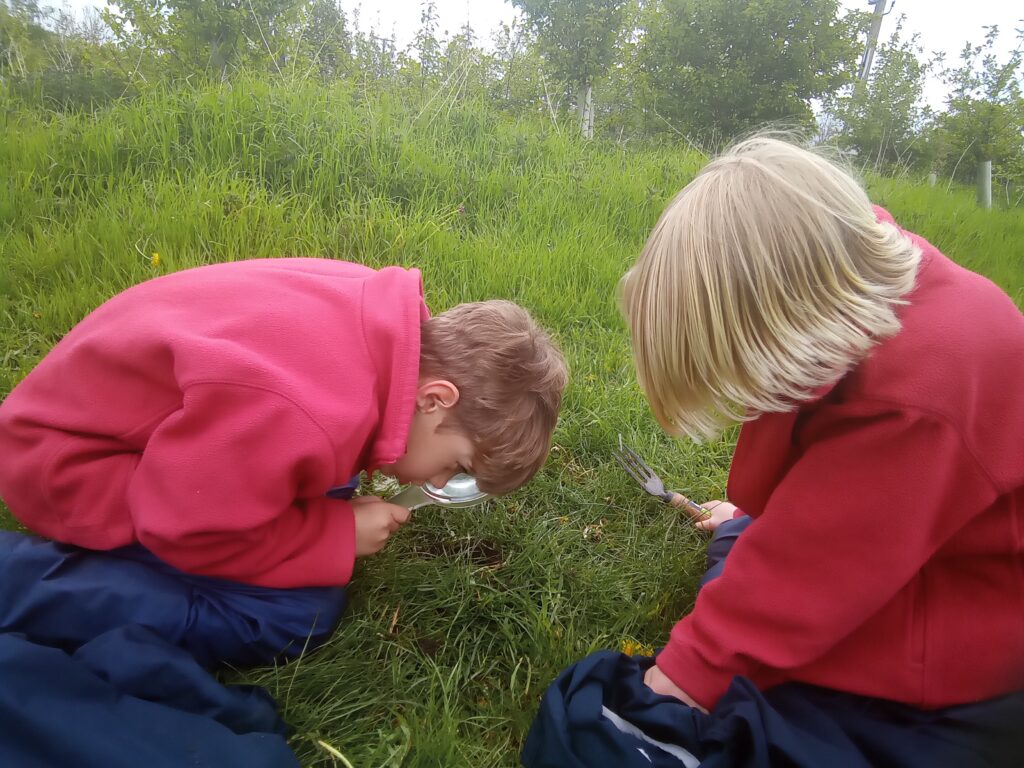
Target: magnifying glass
x,y
460,491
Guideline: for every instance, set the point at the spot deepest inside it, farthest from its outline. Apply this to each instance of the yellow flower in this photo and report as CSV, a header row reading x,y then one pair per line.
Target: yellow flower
x,y
633,648
154,260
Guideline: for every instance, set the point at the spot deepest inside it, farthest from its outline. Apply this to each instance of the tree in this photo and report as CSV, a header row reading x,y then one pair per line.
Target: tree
x,y
427,45
52,57
212,36
518,81
984,116
882,119
324,44
626,88
722,67
23,39
374,57
577,38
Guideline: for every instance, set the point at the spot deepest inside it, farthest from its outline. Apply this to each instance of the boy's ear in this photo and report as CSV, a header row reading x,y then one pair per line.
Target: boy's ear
x,y
436,393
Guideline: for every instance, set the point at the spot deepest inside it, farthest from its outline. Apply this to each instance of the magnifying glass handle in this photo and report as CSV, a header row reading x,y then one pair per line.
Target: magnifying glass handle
x,y
411,497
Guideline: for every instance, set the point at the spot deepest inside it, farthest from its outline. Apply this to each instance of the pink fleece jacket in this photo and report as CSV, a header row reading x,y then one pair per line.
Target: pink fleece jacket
x,y
204,414
886,557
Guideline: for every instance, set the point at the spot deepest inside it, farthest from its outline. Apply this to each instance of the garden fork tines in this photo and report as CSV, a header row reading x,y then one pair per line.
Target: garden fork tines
x,y
649,480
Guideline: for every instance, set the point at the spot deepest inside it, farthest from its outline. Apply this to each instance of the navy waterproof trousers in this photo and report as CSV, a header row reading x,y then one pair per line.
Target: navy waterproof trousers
x,y
599,713
104,660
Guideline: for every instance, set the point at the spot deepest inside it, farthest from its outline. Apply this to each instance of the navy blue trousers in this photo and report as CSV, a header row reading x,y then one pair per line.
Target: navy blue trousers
x,y
104,659
598,712
718,548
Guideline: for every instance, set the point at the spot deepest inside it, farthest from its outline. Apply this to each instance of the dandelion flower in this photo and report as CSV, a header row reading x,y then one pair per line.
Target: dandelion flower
x,y
633,648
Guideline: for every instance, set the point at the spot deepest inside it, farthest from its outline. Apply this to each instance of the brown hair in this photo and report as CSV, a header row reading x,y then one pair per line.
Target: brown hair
x,y
510,376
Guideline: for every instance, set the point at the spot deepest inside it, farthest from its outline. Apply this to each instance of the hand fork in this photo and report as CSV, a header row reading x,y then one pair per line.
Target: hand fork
x,y
638,469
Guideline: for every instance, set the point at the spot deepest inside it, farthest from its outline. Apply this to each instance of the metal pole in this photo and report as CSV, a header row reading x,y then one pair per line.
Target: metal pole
x,y
985,184
585,111
876,27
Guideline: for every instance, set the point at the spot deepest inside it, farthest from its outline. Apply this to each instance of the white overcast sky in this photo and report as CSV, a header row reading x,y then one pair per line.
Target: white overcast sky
x,y
943,25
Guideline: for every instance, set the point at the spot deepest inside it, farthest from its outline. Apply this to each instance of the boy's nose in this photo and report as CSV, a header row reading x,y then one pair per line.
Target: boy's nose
x,y
441,480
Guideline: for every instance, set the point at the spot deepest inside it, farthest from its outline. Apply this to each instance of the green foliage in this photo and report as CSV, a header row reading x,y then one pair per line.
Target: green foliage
x,y
577,38
691,72
323,43
375,58
427,45
726,66
211,37
624,107
519,84
985,114
881,120
49,58
23,40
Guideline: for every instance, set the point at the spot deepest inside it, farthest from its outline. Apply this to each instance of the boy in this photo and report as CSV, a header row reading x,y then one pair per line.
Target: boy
x,y
205,415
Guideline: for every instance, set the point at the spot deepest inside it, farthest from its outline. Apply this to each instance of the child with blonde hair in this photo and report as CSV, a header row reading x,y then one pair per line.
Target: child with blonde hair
x,y
879,476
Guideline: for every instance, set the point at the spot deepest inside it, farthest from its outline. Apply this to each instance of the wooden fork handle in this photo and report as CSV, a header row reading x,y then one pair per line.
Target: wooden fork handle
x,y
679,501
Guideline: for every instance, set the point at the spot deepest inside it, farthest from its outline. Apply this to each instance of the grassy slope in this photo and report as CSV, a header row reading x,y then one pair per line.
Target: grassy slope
x,y
456,629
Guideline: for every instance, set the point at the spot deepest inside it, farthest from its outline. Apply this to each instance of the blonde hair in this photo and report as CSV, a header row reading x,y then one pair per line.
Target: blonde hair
x,y
510,377
766,278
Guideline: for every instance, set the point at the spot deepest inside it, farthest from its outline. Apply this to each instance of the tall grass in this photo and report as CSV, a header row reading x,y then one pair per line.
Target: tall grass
x,y
456,629
989,242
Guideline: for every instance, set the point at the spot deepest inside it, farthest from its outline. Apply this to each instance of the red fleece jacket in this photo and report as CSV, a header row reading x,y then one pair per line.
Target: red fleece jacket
x,y
886,557
204,414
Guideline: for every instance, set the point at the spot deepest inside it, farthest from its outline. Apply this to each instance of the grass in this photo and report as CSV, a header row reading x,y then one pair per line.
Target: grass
x,y
455,630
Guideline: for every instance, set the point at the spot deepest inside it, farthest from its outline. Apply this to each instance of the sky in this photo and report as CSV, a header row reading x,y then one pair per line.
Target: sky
x,y
943,25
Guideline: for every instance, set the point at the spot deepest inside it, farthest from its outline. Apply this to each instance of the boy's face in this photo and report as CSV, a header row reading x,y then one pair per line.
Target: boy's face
x,y
433,454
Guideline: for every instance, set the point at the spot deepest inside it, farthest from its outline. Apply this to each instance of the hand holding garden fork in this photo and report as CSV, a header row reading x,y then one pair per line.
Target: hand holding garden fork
x,y
638,469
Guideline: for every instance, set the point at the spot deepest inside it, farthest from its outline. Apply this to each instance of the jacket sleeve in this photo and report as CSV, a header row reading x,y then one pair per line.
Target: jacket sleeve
x,y
869,502
222,490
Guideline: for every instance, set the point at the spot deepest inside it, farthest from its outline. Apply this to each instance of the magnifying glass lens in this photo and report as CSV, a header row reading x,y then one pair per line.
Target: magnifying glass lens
x,y
461,488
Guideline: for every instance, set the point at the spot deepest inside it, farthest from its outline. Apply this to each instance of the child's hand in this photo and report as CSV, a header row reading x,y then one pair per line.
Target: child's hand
x,y
659,682
376,520
719,512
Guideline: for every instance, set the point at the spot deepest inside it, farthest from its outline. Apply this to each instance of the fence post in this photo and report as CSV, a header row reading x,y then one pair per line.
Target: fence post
x,y
585,111
985,184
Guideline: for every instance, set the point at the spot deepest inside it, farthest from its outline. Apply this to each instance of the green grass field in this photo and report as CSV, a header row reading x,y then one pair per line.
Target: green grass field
x,y
456,629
